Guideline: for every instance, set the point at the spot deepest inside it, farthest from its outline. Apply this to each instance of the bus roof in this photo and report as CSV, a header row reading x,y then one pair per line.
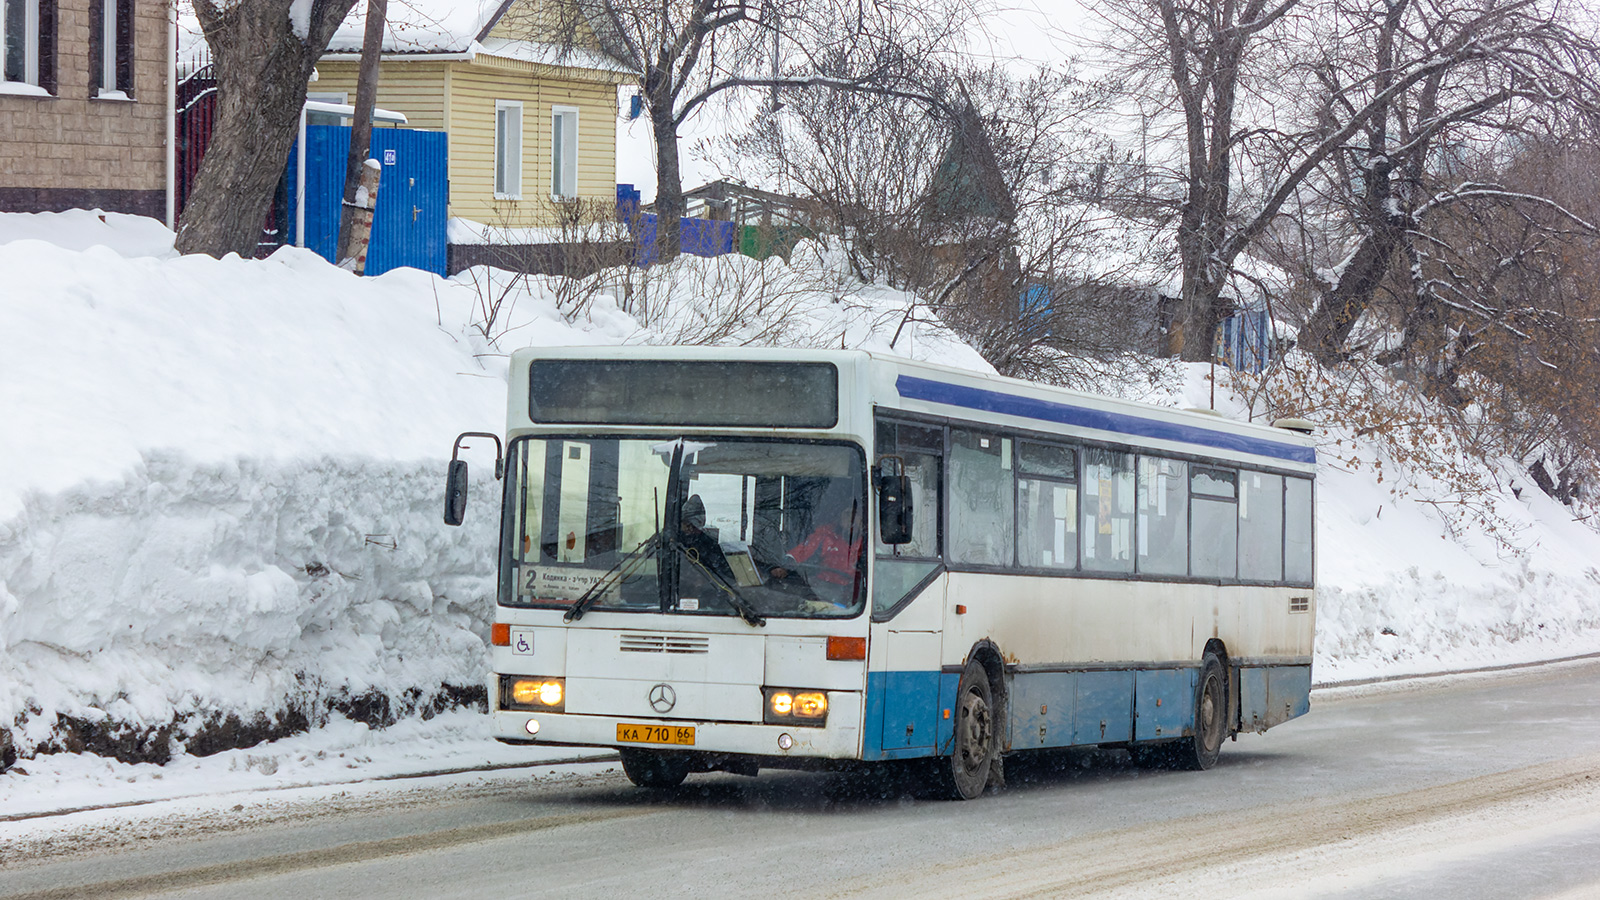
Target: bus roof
x,y
929,389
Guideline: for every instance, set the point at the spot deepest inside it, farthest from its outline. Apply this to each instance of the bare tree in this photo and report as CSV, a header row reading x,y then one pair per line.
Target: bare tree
x,y
264,51
687,53
980,197
1495,74
1236,77
361,125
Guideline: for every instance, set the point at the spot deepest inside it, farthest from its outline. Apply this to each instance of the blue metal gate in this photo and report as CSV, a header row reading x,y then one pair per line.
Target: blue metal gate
x,y
408,228
1244,340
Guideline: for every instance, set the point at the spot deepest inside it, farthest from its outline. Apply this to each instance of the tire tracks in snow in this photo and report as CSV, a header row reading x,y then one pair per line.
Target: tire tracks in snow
x,y
1190,851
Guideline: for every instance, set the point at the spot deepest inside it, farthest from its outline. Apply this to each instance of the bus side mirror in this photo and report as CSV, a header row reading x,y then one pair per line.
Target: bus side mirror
x,y
894,502
455,481
455,492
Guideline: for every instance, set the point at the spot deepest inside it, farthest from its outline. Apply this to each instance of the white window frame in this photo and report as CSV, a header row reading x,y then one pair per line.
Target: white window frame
x,y
510,187
30,40
108,49
564,158
339,97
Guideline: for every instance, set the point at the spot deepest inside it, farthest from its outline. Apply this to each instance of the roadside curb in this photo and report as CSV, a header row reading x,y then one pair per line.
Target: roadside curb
x,y
1419,676
432,773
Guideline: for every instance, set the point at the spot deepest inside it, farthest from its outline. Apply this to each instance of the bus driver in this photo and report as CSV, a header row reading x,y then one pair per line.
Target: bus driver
x,y
830,556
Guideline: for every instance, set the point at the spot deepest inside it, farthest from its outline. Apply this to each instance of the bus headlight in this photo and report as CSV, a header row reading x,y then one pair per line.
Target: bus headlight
x,y
789,706
541,694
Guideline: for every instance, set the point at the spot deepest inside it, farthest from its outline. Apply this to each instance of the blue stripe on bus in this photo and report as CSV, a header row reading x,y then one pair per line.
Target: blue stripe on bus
x,y
913,388
904,709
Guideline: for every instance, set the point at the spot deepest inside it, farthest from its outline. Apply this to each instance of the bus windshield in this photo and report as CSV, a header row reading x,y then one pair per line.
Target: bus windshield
x,y
697,526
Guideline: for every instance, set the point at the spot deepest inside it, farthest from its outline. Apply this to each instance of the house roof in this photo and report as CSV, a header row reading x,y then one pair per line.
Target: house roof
x,y
969,181
465,27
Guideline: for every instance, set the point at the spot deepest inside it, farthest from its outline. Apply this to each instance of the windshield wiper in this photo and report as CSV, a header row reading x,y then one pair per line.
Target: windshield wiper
x,y
613,575
736,598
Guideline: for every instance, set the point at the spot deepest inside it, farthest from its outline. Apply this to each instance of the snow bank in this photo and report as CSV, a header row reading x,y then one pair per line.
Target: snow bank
x,y
221,519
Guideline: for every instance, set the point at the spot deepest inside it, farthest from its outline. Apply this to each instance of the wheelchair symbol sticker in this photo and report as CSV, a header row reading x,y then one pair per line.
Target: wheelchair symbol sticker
x,y
522,641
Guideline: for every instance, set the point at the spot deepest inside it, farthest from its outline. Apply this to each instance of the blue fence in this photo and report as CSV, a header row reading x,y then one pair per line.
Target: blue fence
x,y
409,225
1244,340
697,237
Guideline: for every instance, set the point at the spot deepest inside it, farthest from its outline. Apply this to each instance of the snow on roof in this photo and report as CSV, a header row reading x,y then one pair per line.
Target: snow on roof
x,y
460,26
420,26
1118,249
552,55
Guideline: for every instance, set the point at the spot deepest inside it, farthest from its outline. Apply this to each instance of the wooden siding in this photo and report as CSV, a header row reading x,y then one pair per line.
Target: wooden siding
x,y
458,97
414,88
538,22
474,89
548,23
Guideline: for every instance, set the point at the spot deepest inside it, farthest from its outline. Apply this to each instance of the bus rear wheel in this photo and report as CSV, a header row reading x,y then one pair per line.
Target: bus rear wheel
x,y
976,744
1210,719
654,768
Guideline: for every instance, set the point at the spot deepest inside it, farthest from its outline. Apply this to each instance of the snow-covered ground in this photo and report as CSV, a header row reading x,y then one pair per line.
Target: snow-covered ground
x,y
221,508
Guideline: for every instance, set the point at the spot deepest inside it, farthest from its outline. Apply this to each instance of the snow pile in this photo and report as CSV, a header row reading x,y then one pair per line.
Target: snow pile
x,y
221,519
341,752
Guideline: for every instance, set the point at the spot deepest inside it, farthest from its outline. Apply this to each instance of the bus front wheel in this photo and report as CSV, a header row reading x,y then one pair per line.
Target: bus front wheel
x,y
976,745
654,769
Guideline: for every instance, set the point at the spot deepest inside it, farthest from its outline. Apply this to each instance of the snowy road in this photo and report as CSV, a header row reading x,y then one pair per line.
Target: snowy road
x,y
1469,787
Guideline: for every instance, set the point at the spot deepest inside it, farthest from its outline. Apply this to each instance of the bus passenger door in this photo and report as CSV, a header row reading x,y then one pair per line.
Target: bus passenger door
x,y
909,589
909,687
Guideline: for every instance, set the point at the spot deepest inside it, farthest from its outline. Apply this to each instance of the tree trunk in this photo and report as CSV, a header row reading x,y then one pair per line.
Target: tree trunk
x,y
1339,308
670,205
1205,310
262,70
1194,333
361,125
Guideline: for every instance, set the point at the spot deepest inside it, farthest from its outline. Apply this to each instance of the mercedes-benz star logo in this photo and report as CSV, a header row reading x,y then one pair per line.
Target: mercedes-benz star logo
x,y
663,698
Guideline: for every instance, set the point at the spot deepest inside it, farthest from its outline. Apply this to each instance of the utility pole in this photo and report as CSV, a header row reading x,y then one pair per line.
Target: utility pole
x,y
361,125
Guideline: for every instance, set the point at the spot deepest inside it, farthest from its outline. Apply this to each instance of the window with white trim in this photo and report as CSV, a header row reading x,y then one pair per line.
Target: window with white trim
x,y
111,49
564,152
508,149
327,118
27,45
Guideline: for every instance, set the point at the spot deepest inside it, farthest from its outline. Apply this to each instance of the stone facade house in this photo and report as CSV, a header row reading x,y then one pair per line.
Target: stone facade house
x,y
83,105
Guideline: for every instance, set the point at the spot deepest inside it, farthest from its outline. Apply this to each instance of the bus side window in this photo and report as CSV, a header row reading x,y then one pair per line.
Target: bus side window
x,y
1213,550
1297,558
1260,526
981,498
1163,516
922,449
1108,489
1047,506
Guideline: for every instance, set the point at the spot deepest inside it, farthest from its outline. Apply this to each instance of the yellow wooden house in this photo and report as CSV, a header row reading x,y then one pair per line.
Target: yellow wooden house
x,y
532,123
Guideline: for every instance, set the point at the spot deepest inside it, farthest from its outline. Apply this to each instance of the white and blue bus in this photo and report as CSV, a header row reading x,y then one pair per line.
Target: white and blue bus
x,y
723,559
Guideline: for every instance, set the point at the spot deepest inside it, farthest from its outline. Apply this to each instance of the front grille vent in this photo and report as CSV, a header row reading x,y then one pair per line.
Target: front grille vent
x,y
664,643
1299,604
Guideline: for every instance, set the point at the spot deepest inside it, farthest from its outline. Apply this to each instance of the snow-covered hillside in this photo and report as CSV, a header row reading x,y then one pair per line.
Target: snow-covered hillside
x,y
220,515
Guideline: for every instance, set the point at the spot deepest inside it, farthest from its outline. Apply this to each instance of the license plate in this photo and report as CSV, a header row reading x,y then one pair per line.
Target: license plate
x,y
656,734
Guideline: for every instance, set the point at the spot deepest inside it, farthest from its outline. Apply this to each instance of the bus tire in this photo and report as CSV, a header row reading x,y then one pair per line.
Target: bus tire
x,y
1200,751
975,744
654,769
